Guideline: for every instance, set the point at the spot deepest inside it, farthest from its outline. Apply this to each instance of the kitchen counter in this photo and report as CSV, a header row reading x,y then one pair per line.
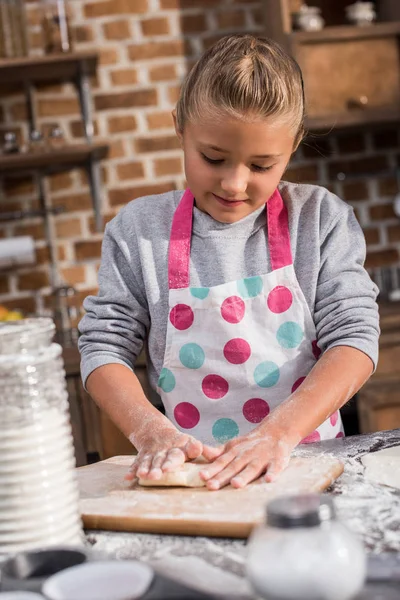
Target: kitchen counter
x,y
217,565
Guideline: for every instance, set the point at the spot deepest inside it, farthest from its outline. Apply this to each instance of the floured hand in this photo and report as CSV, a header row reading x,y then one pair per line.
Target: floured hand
x,y
246,458
163,451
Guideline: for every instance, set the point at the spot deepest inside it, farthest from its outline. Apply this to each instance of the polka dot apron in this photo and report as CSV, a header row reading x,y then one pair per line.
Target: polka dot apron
x,y
237,350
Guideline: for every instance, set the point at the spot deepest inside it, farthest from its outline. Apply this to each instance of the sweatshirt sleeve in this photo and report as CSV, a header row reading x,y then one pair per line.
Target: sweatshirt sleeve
x,y
346,312
117,319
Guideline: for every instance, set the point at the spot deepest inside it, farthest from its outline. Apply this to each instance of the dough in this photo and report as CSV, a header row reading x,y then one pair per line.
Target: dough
x,y
186,476
383,466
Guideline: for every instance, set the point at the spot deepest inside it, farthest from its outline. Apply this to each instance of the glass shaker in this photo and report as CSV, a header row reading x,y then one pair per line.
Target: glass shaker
x,y
38,487
56,26
304,553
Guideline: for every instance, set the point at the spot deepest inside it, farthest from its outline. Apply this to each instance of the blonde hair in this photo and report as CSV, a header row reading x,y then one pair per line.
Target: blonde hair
x,y
244,77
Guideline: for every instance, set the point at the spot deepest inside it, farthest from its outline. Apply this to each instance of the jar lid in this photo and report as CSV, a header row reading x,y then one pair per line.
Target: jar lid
x,y
302,510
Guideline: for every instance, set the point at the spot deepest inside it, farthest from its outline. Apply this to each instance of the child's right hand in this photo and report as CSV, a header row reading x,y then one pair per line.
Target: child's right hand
x,y
163,451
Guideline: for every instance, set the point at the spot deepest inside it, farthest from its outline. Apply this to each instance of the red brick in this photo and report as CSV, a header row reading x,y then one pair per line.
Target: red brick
x,y
387,138
122,123
25,304
394,233
302,174
382,258
131,170
57,107
193,23
42,255
159,26
116,149
87,250
117,30
355,190
115,7
126,99
168,166
173,93
83,33
382,211
169,4
67,228
372,235
108,56
34,280
388,186
19,112
156,50
121,196
368,165
73,202
35,230
22,186
160,120
231,19
124,77
60,181
351,142
163,73
4,284
167,142
74,275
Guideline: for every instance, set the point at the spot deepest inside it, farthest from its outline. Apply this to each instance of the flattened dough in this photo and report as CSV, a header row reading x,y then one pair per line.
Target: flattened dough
x,y
383,466
186,476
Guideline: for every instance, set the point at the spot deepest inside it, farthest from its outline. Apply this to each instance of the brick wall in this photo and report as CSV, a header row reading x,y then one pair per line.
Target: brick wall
x,y
145,48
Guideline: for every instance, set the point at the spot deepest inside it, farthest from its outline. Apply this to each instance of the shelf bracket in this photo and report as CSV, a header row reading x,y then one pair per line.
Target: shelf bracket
x,y
45,206
31,105
93,170
83,86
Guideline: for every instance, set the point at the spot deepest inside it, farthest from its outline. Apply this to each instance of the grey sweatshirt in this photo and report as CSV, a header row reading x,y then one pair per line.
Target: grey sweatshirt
x,y
131,307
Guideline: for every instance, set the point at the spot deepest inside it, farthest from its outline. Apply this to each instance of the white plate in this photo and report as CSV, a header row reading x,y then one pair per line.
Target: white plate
x,y
43,532
10,522
73,538
46,473
102,580
32,504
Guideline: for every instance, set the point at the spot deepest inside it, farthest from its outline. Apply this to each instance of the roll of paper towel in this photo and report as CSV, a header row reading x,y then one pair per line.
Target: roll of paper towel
x,y
17,251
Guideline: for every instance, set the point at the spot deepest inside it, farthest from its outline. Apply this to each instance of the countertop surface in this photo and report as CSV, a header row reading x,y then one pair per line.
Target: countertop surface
x,y
218,565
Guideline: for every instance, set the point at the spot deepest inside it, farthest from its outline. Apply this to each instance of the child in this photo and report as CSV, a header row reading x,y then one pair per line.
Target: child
x,y
236,285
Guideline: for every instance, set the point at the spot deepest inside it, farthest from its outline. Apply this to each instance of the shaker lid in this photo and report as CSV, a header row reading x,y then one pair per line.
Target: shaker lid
x,y
301,510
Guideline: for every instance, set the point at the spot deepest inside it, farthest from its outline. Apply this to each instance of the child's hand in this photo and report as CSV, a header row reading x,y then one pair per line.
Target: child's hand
x,y
163,451
245,458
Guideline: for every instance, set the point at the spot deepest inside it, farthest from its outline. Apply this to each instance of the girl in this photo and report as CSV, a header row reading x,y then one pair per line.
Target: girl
x,y
259,319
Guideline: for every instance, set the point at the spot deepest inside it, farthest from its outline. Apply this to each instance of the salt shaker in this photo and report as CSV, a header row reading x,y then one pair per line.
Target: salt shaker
x,y
304,553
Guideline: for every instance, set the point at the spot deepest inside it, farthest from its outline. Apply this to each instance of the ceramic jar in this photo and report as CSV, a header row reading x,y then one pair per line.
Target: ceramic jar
x,y
361,13
308,18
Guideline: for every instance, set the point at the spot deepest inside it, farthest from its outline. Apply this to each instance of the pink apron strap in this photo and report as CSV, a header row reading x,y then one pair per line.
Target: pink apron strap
x,y
181,233
278,232
179,244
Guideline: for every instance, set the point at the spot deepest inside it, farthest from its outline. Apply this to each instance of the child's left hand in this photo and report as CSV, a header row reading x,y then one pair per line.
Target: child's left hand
x,y
246,458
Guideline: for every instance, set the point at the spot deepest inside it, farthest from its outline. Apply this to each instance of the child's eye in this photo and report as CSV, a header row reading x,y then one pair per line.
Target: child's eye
x,y
212,161
261,169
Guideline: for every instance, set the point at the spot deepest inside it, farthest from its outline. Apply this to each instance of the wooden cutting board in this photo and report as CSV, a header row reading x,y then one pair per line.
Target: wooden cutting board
x,y
108,502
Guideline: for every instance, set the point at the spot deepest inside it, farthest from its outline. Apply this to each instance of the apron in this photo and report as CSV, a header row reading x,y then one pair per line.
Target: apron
x,y
237,350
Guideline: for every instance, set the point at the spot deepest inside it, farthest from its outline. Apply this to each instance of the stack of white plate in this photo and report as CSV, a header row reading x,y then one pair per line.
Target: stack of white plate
x,y
38,489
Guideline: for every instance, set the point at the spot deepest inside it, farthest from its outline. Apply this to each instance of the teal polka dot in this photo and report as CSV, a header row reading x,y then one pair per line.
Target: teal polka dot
x,y
200,293
192,356
266,374
250,287
289,335
166,380
224,430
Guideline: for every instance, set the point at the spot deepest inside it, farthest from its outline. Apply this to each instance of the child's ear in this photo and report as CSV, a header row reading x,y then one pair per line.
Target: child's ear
x,y
178,132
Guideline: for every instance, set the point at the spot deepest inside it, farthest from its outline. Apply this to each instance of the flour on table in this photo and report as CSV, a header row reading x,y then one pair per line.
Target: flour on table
x,y
383,466
188,475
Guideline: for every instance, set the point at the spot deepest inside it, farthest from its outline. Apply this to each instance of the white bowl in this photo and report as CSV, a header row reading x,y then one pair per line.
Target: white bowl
x,y
102,580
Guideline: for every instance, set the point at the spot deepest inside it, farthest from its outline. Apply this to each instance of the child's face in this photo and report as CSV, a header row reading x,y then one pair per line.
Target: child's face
x,y
233,167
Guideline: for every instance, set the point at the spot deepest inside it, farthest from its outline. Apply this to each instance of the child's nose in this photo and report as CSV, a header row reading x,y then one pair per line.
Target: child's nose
x,y
234,182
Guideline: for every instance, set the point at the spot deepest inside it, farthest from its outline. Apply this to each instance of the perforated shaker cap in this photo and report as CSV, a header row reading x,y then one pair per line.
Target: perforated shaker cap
x,y
302,510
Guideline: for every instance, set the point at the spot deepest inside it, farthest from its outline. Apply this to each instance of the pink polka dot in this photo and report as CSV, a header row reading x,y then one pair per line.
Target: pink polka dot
x,y
334,418
214,386
279,299
237,351
315,350
181,316
313,437
297,384
340,434
186,415
255,410
232,309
